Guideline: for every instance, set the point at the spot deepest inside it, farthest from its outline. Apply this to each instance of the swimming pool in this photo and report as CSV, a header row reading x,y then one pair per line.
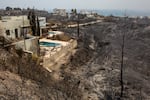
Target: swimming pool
x,y
49,44
51,32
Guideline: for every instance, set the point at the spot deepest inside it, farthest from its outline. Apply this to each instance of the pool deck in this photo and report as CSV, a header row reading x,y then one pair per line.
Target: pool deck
x,y
54,57
49,51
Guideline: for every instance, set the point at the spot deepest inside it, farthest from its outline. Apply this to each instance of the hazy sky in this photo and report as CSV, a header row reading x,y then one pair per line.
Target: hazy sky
x,y
143,5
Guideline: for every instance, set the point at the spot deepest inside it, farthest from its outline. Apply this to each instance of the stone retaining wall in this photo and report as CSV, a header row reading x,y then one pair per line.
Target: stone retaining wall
x,y
48,62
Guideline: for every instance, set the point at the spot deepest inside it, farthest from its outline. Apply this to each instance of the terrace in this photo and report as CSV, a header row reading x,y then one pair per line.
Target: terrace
x,y
54,47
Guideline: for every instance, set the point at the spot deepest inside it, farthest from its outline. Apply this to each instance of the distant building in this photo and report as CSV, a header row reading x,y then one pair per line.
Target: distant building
x,y
89,14
61,12
18,11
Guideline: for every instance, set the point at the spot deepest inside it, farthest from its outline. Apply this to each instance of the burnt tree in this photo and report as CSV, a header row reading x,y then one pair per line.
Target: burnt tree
x,y
32,19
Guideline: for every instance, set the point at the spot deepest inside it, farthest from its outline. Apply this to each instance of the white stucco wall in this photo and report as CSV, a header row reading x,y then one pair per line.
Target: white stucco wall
x,y
30,45
13,22
42,21
17,22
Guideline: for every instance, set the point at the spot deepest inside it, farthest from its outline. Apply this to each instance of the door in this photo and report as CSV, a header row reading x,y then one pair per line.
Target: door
x,y
16,33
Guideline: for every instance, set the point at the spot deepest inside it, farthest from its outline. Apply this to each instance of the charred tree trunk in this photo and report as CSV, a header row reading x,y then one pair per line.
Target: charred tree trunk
x,y
38,27
122,65
31,17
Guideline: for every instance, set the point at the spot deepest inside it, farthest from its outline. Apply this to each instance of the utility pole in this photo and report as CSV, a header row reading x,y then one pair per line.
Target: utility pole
x,y
24,35
122,65
78,27
122,60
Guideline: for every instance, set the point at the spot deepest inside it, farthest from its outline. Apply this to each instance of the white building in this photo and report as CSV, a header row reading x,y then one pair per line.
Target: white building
x,y
89,14
42,22
18,26
61,12
14,26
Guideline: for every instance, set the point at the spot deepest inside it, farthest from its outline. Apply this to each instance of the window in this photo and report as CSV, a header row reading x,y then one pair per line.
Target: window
x,y
7,32
16,33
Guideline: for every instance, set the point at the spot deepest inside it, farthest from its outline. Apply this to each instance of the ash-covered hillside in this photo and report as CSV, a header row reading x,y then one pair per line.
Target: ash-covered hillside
x,y
101,74
92,71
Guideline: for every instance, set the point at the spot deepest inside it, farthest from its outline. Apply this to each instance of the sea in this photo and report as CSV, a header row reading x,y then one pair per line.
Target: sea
x,y
120,13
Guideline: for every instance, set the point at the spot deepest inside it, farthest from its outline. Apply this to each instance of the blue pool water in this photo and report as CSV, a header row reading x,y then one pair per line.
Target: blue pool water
x,y
49,44
51,32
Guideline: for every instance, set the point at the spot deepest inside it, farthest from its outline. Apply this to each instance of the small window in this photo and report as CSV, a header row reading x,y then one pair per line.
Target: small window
x,y
7,32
